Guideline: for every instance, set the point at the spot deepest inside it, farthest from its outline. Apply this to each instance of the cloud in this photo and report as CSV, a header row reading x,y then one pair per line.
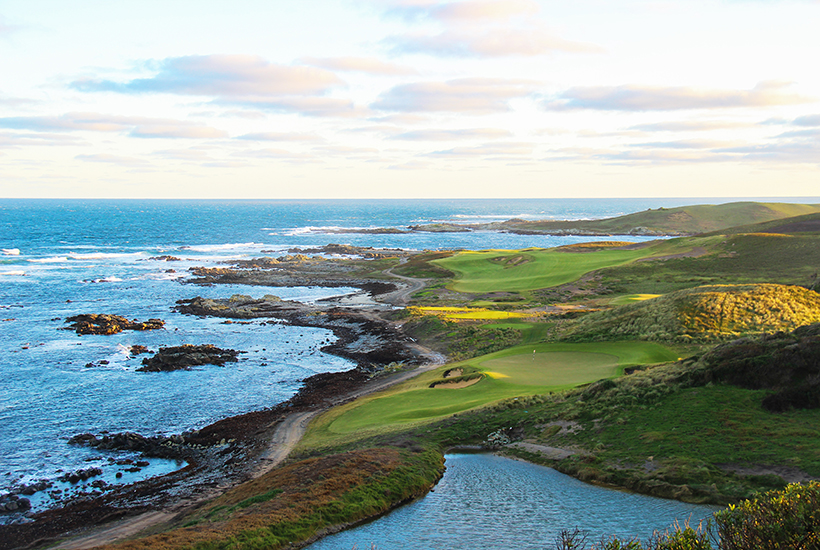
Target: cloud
x,y
493,42
795,152
655,98
690,126
807,120
368,65
347,150
280,136
308,106
273,153
449,135
143,127
410,165
17,139
5,28
221,76
810,133
130,162
192,155
468,11
683,144
487,150
15,102
466,95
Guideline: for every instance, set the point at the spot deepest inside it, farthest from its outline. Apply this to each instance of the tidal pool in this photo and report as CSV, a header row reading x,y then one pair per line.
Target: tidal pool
x,y
489,502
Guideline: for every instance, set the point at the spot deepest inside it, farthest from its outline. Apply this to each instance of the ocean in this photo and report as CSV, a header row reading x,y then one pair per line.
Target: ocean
x,y
67,257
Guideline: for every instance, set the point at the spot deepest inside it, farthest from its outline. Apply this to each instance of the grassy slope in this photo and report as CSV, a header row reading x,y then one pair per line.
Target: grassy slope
x,y
686,219
515,271
705,312
510,373
733,259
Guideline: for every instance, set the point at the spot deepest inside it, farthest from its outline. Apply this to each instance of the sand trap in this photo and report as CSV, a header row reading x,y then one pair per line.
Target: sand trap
x,y
456,385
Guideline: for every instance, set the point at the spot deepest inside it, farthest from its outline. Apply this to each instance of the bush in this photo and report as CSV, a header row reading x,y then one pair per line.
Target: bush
x,y
788,519
776,519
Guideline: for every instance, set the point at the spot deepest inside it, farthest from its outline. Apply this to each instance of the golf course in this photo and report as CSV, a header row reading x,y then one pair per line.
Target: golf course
x,y
519,371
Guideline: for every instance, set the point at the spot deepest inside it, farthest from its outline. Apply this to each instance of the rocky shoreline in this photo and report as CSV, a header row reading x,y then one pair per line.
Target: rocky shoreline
x,y
228,451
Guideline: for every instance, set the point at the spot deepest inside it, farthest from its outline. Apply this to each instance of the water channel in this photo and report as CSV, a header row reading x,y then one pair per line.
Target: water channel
x,y
490,502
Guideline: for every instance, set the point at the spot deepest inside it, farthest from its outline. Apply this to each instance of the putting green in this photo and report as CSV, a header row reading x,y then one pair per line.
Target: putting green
x,y
556,367
529,269
509,373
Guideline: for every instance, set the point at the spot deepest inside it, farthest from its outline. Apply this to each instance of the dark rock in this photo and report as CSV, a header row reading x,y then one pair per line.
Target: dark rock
x,y
138,349
81,475
109,324
186,356
165,258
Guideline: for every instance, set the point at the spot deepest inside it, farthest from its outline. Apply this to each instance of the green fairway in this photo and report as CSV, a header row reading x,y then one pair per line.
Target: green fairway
x,y
518,371
529,269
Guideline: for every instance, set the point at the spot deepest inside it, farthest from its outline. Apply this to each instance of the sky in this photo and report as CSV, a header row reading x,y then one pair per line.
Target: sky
x,y
279,99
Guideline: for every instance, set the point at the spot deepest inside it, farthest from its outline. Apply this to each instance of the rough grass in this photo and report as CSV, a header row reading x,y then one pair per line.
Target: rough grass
x,y
530,269
705,312
466,313
734,259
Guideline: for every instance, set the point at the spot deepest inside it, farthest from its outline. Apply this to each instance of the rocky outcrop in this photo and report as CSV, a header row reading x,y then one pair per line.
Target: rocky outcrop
x,y
14,503
93,323
155,447
186,356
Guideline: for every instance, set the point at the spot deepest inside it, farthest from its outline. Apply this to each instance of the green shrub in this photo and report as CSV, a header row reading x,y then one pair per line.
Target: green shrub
x,y
789,518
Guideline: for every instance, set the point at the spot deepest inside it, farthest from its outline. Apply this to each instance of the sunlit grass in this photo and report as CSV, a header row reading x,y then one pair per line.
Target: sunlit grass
x,y
518,371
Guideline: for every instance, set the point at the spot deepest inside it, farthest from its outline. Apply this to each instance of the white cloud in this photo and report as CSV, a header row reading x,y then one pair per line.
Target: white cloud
x,y
128,162
657,98
493,42
368,65
466,95
95,122
221,76
449,135
280,136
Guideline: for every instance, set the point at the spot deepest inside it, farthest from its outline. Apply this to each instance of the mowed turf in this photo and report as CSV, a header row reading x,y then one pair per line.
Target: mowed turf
x,y
529,269
509,373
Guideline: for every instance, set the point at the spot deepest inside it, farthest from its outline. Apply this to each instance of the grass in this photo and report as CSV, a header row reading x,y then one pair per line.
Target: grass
x,y
467,313
530,269
716,311
734,259
631,299
510,373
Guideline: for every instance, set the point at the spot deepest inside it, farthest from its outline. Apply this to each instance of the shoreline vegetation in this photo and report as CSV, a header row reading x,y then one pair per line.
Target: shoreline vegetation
x,y
685,368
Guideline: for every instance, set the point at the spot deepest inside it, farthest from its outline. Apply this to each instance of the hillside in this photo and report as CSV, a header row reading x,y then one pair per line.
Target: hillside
x,y
807,223
684,220
705,312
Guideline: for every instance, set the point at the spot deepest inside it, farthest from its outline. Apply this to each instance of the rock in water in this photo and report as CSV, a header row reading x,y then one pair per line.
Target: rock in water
x,y
93,323
186,356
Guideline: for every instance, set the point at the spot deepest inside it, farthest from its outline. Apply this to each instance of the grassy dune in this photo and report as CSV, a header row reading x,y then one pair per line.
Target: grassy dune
x,y
511,373
705,312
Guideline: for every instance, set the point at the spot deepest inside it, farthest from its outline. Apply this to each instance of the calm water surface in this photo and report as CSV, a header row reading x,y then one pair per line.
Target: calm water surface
x,y
490,502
